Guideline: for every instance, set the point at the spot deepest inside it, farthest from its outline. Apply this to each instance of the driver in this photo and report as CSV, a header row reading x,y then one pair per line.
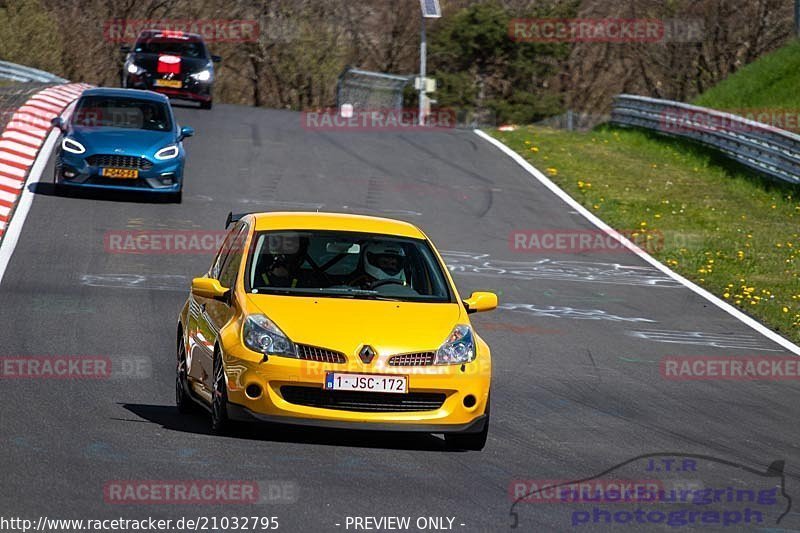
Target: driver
x,y
382,261
284,269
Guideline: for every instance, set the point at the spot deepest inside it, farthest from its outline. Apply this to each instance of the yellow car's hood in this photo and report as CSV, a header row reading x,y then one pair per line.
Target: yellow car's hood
x,y
345,324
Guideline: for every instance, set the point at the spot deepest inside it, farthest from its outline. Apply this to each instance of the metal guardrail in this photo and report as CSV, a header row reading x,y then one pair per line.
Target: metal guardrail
x,y
764,148
19,73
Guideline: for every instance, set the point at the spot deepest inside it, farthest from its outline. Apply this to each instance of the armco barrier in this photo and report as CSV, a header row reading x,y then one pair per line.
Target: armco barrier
x,y
764,148
22,74
22,139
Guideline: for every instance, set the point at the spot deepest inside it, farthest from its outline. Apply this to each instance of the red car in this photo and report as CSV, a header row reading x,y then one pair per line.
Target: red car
x,y
173,63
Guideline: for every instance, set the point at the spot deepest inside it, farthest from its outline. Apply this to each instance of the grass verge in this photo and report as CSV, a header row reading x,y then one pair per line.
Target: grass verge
x,y
770,82
725,228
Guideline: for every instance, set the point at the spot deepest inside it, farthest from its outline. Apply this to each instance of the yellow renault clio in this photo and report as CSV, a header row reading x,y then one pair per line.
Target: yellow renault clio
x,y
334,320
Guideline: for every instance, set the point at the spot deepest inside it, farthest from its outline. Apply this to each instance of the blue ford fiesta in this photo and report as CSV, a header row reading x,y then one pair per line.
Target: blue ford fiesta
x,y
122,139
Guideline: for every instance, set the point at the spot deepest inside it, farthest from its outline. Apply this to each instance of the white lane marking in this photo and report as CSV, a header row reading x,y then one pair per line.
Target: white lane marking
x,y
276,203
14,228
468,263
151,282
554,311
699,338
544,180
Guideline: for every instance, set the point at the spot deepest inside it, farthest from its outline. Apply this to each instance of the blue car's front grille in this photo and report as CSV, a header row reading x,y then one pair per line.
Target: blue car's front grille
x,y
113,182
119,161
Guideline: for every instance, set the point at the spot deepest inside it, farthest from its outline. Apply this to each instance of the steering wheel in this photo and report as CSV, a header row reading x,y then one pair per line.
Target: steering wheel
x,y
383,282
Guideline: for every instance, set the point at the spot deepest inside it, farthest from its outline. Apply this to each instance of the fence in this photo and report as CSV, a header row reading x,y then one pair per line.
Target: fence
x,y
363,89
764,148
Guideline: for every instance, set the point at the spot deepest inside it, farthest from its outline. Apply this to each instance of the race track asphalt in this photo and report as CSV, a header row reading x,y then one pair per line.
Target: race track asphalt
x,y
576,347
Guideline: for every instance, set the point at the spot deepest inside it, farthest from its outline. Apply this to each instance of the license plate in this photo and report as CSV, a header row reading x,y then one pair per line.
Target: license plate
x,y
124,173
366,382
174,84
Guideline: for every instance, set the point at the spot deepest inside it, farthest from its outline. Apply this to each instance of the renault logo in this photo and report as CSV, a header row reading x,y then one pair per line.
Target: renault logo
x,y
366,354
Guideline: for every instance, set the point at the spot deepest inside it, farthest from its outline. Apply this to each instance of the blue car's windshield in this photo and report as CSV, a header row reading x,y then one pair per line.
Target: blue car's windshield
x,y
121,112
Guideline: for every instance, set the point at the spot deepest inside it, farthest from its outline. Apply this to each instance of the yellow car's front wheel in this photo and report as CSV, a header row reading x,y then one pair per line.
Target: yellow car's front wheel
x,y
183,401
219,397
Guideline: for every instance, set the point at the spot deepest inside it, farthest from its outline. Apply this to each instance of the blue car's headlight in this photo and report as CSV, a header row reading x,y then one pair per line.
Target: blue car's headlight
x,y
262,335
72,146
458,348
169,152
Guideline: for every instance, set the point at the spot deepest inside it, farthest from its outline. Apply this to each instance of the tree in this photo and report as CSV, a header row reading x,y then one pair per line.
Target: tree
x,y
482,69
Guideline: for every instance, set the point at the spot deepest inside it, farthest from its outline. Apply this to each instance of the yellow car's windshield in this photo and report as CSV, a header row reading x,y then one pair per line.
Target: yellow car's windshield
x,y
349,265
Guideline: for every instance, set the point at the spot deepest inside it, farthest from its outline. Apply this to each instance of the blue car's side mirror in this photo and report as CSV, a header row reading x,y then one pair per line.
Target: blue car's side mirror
x,y
58,122
186,131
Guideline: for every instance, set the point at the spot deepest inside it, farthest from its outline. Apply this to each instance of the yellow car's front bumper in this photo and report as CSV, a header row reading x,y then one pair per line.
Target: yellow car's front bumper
x,y
453,398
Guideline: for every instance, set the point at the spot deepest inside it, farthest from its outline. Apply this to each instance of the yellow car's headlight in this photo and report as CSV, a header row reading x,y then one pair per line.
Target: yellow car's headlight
x,y
262,335
458,348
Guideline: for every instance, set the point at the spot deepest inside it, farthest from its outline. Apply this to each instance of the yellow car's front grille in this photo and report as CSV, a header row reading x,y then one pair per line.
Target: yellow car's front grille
x,y
412,359
382,402
320,355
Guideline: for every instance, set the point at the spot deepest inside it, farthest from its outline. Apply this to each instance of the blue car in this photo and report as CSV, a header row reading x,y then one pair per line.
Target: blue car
x,y
123,140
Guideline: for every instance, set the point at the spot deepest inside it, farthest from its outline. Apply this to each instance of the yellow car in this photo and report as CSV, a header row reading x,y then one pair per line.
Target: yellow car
x,y
334,320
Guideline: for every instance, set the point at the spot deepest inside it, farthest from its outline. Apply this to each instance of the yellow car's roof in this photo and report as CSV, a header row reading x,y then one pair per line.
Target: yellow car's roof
x,y
334,221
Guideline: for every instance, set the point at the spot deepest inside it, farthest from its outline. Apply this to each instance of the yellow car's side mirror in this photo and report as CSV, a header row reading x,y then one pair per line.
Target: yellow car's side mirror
x,y
209,288
481,301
